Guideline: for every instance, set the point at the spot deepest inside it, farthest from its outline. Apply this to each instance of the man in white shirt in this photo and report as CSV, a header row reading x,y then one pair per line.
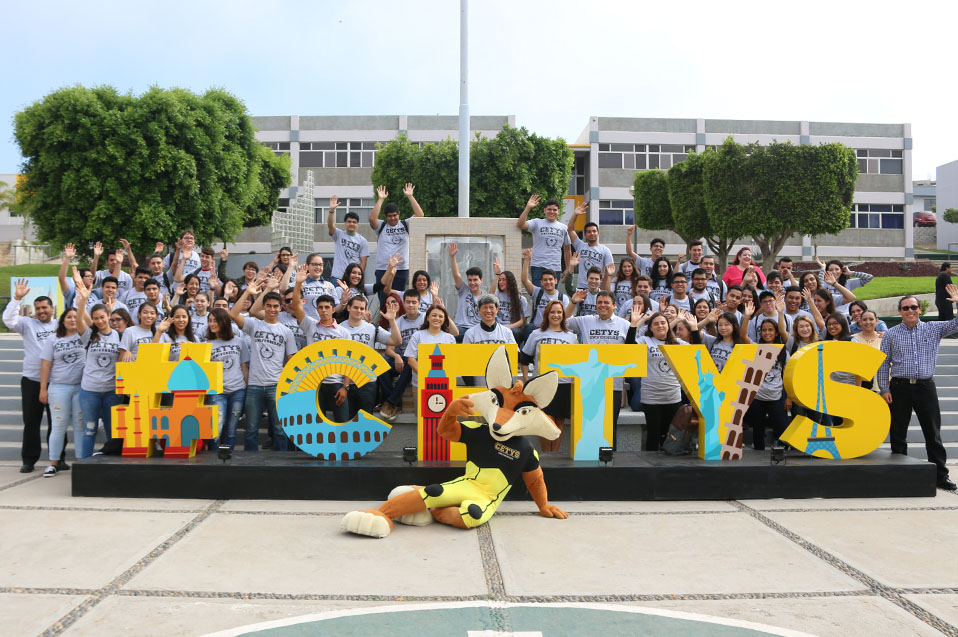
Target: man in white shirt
x,y
488,330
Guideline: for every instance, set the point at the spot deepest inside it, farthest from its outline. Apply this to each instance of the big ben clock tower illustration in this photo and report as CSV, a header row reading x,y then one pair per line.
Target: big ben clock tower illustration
x,y
434,398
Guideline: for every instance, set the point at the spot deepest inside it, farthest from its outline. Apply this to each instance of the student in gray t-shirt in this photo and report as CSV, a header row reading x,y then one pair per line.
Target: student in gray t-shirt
x,y
392,237
272,343
550,238
61,370
591,253
350,246
98,387
470,291
231,350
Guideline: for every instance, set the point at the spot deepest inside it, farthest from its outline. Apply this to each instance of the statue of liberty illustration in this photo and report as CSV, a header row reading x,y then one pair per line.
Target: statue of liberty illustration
x,y
709,403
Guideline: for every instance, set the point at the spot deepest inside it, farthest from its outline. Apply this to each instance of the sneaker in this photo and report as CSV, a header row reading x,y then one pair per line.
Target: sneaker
x,y
388,412
63,466
26,468
50,471
97,453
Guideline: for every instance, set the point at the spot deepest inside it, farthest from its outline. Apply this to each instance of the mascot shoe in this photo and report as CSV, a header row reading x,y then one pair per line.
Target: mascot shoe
x,y
366,523
420,518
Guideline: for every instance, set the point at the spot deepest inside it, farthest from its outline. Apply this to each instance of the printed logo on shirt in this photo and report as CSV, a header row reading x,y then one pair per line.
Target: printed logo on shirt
x,y
395,235
552,236
228,355
350,247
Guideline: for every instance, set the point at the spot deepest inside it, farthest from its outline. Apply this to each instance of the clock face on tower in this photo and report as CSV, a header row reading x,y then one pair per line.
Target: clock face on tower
x,y
436,403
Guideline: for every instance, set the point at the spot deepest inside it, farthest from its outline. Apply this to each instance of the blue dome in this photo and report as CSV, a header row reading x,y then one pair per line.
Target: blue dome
x,y
188,376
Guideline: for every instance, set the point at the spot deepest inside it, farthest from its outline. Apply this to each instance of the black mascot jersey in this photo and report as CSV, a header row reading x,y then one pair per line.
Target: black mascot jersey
x,y
512,457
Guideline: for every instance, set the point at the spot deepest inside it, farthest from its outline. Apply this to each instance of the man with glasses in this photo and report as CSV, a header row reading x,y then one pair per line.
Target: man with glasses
x,y
680,296
700,288
191,261
906,380
351,247
644,264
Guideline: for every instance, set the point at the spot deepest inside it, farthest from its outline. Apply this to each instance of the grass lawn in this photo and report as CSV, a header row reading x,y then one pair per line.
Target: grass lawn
x,y
28,270
883,286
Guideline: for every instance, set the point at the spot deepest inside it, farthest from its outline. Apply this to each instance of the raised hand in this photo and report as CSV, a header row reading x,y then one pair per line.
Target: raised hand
x,y
663,303
164,325
390,314
780,305
533,201
333,202
610,269
180,289
97,249
381,192
807,295
574,261
581,209
408,189
453,250
302,273
229,289
820,263
749,309
293,260
952,291
254,287
224,254
830,278
109,303
343,285
21,289
272,283
393,262
160,246
434,290
527,254
496,266
714,315
69,252
638,315
214,281
126,245
629,231
681,255
579,296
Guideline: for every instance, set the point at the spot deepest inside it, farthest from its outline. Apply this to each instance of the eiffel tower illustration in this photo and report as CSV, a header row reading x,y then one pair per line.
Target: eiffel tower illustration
x,y
826,442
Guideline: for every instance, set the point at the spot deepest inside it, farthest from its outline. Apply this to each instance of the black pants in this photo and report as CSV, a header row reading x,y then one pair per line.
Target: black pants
x,y
766,413
657,421
616,407
922,398
33,411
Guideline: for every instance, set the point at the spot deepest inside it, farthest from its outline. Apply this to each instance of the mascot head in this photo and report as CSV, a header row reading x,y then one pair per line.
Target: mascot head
x,y
511,409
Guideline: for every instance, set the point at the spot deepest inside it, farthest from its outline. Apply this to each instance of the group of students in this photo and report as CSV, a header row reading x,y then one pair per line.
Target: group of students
x,y
255,322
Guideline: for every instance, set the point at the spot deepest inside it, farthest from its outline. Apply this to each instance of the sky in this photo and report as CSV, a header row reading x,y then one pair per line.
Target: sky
x,y
552,64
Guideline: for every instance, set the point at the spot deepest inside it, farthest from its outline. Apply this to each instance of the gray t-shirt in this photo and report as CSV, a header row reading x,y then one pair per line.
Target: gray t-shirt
x,y
133,301
392,240
622,291
547,242
189,264
587,306
33,332
407,328
597,255
290,321
99,369
67,356
366,333
504,316
548,337
350,248
124,281
133,337
175,342
315,288
423,337
232,353
271,344
199,323
720,351
660,386
772,384
594,331
467,310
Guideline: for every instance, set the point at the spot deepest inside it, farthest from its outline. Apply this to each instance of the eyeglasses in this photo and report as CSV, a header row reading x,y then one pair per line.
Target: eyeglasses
x,y
909,307
115,320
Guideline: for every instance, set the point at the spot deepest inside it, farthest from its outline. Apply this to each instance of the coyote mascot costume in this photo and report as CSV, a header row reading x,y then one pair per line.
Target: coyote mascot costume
x,y
497,452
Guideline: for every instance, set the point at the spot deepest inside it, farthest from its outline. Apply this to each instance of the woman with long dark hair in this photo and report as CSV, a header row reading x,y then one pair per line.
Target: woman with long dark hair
x,y
623,285
768,408
661,391
136,335
61,371
513,307
176,329
233,352
552,331
736,270
661,275
98,386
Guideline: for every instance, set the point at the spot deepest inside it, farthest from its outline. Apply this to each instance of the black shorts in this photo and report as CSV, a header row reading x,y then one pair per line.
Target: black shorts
x,y
561,405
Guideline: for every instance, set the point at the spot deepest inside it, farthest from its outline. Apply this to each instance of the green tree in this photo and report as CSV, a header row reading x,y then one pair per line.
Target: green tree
x,y
728,189
798,190
951,215
103,165
653,211
8,196
689,212
504,171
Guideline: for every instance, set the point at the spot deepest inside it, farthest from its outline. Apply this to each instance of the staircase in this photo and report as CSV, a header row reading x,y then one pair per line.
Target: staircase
x,y
631,425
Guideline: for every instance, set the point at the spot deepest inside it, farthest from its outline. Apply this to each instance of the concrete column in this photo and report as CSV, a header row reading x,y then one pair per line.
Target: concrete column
x,y
909,194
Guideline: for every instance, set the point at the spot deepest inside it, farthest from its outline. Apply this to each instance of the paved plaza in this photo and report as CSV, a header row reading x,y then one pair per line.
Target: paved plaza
x,y
101,566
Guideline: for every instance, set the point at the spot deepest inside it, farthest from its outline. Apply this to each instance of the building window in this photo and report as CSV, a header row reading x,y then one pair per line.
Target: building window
x,y
642,156
337,154
278,148
616,212
872,161
877,216
361,207
929,204
577,180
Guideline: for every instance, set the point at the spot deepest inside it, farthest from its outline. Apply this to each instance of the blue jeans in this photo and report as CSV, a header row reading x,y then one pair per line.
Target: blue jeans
x,y
230,409
258,397
96,406
327,402
535,275
394,394
65,408
398,285
635,384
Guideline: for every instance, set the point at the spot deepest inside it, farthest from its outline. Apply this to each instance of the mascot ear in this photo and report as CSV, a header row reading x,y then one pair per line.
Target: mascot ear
x,y
542,389
498,372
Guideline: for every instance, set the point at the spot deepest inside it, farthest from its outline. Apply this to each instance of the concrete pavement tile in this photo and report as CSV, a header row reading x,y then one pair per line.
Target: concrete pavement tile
x,y
11,473
163,616
55,492
301,506
32,614
945,606
905,549
596,506
303,554
864,616
940,500
654,555
78,549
